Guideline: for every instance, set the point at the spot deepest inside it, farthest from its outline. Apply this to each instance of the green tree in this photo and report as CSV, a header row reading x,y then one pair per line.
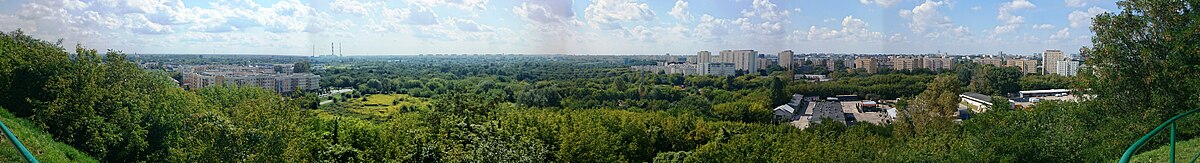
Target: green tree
x,y
991,80
932,111
301,67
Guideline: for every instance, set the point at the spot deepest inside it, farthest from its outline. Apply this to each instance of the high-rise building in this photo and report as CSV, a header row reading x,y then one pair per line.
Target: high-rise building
x,y
989,61
785,59
672,58
868,64
831,64
1027,66
704,57
1067,68
938,63
904,63
1050,60
741,59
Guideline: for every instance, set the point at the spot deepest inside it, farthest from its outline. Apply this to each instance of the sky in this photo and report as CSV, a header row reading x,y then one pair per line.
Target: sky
x,y
367,27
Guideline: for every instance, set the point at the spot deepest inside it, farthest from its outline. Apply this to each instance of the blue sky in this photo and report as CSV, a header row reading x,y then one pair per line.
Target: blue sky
x,y
548,26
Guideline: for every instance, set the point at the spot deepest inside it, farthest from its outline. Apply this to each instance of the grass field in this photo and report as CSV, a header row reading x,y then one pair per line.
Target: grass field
x,y
41,144
1184,151
382,105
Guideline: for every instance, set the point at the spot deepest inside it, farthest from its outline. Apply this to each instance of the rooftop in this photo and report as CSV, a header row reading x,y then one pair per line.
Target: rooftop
x,y
978,96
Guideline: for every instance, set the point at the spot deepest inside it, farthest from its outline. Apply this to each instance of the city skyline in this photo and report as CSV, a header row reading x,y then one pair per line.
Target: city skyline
x,y
559,27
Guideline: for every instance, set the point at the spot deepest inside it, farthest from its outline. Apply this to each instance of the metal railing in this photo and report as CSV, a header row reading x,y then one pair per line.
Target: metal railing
x,y
1171,123
16,142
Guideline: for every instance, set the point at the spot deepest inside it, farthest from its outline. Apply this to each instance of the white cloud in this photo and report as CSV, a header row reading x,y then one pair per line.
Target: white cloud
x,y
470,5
881,3
1007,8
853,29
1077,3
1061,34
1043,26
712,28
1084,19
353,7
925,16
1010,22
608,14
468,25
140,24
546,12
680,11
766,10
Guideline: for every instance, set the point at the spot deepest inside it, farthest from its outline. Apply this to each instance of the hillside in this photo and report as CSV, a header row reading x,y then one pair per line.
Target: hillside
x,y
1184,151
40,143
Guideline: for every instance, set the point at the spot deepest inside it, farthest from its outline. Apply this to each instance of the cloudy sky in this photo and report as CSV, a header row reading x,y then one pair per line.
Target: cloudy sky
x,y
552,26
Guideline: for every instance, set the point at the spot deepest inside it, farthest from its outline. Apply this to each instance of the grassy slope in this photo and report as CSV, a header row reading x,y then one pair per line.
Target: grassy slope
x,y
40,143
1184,151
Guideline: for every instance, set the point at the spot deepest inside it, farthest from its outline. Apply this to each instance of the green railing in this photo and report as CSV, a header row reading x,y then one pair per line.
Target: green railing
x,y
20,147
1171,123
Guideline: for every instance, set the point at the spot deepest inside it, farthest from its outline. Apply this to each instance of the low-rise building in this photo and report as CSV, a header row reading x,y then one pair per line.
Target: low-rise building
x,y
979,102
205,76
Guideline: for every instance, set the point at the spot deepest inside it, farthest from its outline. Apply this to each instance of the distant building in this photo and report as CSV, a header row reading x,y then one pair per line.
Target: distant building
x,y
1067,68
937,63
1044,93
784,113
741,59
1050,60
989,61
785,59
704,57
979,102
205,76
1027,66
868,64
904,63
832,64
718,69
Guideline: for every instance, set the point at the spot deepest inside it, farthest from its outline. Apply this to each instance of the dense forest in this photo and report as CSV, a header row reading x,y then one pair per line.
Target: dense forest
x,y
531,109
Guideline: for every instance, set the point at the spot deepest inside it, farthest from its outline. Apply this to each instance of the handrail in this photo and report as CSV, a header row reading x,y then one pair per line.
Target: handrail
x,y
16,142
1133,148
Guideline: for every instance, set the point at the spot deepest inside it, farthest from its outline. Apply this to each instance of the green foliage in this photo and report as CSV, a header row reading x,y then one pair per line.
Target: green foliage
x,y
991,80
743,112
38,141
567,109
1041,82
883,86
931,112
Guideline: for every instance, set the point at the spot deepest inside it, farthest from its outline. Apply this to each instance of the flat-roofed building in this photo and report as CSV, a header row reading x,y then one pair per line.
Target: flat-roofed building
x,y
704,57
1067,68
990,61
935,64
1050,60
905,63
205,76
868,64
1027,66
741,59
785,59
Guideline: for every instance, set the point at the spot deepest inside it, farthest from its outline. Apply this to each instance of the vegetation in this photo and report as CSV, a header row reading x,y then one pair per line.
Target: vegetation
x,y
578,109
37,141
